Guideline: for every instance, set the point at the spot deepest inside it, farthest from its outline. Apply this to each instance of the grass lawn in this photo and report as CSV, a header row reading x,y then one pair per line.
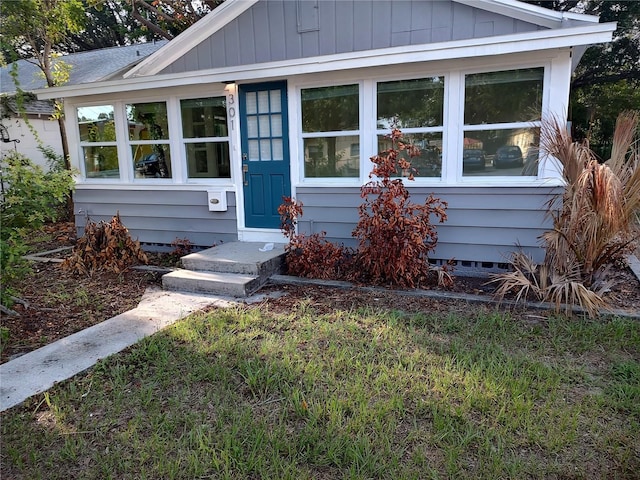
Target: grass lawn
x,y
252,392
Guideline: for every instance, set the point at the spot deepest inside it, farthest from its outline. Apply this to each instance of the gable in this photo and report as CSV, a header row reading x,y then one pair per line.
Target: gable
x,y
276,30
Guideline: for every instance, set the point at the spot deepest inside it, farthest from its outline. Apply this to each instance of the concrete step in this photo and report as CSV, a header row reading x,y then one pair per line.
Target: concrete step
x,y
233,284
237,257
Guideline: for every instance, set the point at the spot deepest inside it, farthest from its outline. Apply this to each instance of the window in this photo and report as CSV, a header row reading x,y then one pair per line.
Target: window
x,y
502,113
149,139
98,141
416,107
330,131
205,136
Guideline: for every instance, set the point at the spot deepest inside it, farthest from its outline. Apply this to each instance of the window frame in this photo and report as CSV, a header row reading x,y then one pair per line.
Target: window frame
x,y
492,180
82,144
184,141
419,180
301,135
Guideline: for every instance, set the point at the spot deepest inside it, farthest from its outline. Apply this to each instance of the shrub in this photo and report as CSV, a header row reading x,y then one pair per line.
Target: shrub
x,y
396,235
311,256
593,220
30,198
104,246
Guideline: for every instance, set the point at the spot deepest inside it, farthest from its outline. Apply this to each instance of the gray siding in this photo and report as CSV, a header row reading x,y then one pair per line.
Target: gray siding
x,y
275,30
160,217
483,225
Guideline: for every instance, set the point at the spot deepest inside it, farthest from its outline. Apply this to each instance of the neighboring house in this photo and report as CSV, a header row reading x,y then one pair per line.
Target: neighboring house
x,y
267,98
92,66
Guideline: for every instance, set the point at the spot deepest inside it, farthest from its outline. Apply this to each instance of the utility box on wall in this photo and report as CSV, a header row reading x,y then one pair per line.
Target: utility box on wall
x,y
217,200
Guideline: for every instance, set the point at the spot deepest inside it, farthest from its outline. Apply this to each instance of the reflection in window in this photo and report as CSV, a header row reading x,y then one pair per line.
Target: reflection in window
x,y
429,161
149,139
512,152
502,115
410,103
204,129
415,106
98,141
332,156
330,125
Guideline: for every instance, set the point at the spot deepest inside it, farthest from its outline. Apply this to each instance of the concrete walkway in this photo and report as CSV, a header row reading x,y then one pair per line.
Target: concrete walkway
x,y
37,371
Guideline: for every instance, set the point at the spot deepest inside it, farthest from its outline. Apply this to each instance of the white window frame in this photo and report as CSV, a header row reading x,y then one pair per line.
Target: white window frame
x,y
334,181
490,180
419,180
185,141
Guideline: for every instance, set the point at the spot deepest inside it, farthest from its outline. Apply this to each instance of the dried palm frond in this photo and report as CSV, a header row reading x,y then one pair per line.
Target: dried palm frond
x,y
523,280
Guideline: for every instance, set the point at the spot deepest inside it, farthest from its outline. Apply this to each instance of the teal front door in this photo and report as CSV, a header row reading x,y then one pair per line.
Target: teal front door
x,y
265,152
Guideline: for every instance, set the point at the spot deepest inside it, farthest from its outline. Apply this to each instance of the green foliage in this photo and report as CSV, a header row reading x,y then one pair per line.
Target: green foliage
x,y
30,198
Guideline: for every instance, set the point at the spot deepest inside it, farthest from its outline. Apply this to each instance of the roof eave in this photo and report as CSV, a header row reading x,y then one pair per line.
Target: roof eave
x,y
529,13
504,44
190,38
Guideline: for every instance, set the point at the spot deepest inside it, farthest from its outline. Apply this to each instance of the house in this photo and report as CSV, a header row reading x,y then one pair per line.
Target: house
x,y
265,98
91,66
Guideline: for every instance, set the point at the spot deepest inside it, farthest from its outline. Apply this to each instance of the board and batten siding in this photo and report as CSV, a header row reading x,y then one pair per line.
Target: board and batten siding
x,y
159,217
276,30
484,223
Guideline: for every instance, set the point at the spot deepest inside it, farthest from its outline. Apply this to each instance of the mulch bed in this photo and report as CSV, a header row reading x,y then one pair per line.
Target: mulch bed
x,y
60,303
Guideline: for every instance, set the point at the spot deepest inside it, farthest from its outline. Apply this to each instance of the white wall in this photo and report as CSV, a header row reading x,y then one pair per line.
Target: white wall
x,y
48,132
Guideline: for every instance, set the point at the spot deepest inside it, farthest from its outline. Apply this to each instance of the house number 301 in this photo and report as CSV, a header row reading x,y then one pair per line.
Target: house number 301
x,y
231,110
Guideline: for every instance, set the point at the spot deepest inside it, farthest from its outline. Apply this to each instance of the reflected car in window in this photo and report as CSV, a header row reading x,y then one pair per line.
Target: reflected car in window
x,y
473,159
508,156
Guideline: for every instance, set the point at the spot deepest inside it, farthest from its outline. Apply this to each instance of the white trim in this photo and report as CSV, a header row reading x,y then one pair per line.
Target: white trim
x,y
478,47
261,235
528,13
190,38
232,9
165,187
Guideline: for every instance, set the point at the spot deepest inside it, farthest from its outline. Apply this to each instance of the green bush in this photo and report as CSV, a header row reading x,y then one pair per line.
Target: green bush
x,y
30,197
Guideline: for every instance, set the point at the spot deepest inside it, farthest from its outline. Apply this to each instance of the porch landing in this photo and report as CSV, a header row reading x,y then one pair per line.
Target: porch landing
x,y
236,268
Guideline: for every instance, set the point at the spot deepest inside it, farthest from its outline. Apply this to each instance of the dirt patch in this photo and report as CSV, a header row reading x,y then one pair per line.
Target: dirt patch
x,y
60,303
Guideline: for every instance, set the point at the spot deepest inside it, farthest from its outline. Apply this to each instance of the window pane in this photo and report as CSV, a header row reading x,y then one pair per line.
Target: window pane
x,y
332,156
151,161
204,117
208,160
101,162
502,97
429,162
330,109
148,121
276,101
411,103
252,102
96,124
510,152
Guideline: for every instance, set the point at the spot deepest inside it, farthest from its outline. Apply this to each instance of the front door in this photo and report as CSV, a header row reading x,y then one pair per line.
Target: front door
x,y
265,152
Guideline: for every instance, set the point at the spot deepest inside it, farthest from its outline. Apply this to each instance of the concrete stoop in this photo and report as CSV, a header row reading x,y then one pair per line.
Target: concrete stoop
x,y
237,269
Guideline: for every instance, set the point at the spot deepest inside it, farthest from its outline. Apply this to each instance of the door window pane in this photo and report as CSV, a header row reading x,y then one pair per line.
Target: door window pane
x,y
410,103
503,97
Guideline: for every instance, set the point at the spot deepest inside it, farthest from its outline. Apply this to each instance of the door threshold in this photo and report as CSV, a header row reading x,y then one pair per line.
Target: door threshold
x,y
261,235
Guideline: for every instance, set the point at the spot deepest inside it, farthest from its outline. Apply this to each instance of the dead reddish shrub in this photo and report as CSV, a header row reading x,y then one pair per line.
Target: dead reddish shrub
x,y
395,235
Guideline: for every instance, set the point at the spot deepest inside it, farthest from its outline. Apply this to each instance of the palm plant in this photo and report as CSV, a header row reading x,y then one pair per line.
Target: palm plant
x,y
594,219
